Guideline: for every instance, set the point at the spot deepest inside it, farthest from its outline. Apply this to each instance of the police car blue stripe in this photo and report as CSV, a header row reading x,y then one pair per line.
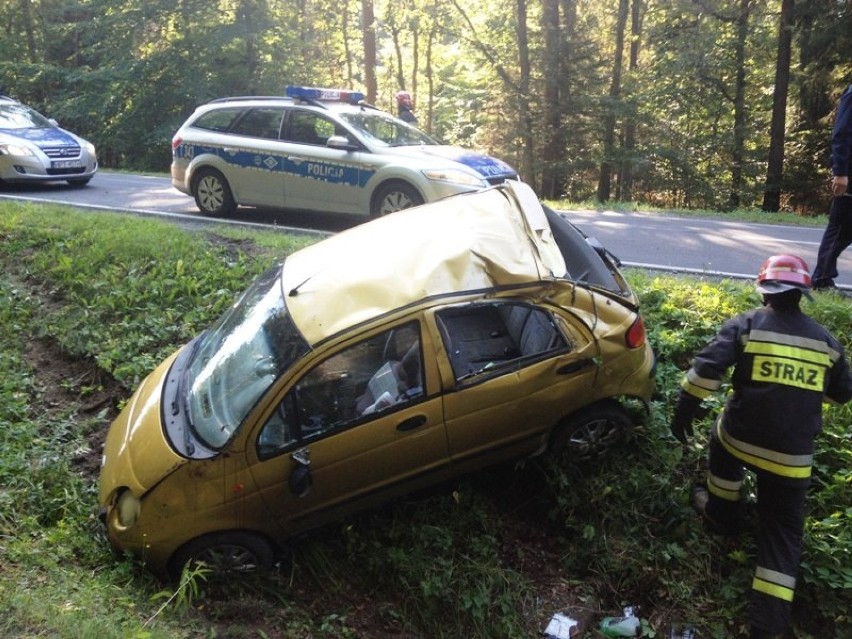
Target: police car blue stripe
x,y
330,172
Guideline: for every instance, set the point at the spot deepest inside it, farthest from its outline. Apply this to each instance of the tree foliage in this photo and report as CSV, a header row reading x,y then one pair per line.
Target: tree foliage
x,y
562,89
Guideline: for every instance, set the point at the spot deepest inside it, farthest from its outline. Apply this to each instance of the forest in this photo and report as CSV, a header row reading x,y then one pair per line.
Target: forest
x,y
717,104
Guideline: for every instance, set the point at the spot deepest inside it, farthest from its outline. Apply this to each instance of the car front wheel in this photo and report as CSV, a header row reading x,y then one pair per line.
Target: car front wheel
x,y
590,433
395,197
224,554
212,193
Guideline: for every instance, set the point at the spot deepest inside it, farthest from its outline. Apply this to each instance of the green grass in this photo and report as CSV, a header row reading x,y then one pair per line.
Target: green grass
x,y
494,555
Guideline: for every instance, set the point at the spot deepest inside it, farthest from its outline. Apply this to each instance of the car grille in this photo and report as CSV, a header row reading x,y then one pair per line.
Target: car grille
x,y
59,152
72,171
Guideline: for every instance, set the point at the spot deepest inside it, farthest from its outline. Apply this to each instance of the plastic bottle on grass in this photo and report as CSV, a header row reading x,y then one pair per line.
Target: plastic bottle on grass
x,y
619,626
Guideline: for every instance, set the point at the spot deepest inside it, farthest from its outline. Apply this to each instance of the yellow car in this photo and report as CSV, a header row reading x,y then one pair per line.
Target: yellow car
x,y
387,358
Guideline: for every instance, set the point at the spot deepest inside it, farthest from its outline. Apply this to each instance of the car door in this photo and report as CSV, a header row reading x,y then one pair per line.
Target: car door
x,y
363,423
514,370
318,176
254,155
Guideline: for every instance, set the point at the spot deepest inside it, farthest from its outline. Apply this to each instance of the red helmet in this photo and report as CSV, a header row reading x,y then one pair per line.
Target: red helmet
x,y
403,97
781,273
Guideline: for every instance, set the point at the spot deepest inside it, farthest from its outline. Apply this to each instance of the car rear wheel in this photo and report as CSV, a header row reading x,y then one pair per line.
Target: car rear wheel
x,y
395,196
225,553
591,433
212,193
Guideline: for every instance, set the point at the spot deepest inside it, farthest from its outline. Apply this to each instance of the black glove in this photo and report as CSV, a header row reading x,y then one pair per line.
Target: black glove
x,y
685,413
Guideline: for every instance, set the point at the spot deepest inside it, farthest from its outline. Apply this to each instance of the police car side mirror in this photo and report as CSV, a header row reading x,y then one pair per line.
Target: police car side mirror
x,y
341,142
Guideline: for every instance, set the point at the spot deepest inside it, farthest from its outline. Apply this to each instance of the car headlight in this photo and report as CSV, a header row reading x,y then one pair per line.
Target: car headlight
x,y
91,149
456,176
127,509
15,149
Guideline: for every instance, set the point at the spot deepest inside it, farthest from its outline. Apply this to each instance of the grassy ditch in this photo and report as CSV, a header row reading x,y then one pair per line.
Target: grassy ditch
x,y
89,303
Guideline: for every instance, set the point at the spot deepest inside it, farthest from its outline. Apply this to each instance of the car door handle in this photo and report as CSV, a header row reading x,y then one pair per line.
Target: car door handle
x,y
573,367
411,423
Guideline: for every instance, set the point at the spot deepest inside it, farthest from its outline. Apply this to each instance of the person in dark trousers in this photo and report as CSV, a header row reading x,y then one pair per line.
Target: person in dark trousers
x,y
785,365
838,232
406,107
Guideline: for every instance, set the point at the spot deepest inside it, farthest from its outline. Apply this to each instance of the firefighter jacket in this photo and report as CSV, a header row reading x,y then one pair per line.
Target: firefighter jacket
x,y
785,365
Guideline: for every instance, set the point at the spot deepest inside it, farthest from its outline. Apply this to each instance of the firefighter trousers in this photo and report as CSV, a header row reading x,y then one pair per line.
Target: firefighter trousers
x,y
781,515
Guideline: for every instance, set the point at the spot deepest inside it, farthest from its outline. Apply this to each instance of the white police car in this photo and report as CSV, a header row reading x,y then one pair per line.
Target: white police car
x,y
319,149
34,148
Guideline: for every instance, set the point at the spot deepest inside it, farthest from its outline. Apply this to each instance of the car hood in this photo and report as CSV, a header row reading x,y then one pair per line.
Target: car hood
x,y
40,137
485,165
136,453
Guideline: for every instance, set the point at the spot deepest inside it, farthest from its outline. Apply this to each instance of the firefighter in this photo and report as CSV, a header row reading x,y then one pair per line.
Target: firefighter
x,y
785,366
406,107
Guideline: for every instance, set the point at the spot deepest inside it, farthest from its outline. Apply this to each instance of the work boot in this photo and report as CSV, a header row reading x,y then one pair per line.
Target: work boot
x,y
700,497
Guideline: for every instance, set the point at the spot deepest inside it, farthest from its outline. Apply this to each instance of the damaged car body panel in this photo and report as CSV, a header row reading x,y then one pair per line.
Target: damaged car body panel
x,y
387,358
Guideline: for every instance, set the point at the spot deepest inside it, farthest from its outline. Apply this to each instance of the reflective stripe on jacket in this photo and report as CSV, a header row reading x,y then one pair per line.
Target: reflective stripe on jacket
x,y
785,365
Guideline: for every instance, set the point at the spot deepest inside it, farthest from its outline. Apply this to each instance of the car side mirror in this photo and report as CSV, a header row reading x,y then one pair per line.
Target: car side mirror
x,y
301,480
341,142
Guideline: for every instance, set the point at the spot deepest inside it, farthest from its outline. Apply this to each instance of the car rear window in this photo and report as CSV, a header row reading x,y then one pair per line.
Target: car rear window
x,y
260,123
218,120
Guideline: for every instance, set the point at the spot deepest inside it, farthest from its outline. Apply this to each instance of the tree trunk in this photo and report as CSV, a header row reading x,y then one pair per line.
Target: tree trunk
x,y
775,168
605,180
738,152
626,181
523,101
368,29
551,177
29,28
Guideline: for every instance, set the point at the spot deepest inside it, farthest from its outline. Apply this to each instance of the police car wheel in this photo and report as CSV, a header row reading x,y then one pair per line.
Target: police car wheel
x,y
590,433
212,193
395,197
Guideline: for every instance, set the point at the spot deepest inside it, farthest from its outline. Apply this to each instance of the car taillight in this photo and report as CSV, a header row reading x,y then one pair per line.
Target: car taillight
x,y
635,336
176,143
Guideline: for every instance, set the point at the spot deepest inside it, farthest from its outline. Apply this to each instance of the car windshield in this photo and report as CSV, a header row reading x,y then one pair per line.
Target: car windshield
x,y
234,364
18,116
386,130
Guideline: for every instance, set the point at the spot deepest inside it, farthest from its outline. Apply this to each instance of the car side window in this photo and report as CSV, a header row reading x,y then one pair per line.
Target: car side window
x,y
306,127
262,123
486,337
367,378
218,119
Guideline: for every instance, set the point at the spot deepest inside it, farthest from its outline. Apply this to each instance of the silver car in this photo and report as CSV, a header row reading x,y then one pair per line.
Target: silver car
x,y
34,148
318,149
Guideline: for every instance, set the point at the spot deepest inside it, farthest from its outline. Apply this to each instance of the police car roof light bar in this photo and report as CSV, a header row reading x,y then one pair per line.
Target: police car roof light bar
x,y
316,93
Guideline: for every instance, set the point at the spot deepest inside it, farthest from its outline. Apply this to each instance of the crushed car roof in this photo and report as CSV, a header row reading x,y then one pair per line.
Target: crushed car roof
x,y
495,237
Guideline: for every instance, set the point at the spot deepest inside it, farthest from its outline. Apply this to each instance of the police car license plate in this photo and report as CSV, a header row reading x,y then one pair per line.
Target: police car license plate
x,y
66,164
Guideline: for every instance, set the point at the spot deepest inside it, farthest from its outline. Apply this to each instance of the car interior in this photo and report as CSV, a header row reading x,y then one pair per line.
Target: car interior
x,y
483,336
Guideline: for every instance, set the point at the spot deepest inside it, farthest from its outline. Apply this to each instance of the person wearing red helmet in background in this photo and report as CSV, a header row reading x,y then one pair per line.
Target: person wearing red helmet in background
x,y
406,107
785,364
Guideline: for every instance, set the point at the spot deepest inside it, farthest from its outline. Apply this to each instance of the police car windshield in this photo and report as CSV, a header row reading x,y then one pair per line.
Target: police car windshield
x,y
250,346
17,116
385,130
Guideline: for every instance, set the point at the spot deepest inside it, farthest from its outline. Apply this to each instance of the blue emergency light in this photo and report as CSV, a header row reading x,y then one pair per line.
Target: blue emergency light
x,y
333,95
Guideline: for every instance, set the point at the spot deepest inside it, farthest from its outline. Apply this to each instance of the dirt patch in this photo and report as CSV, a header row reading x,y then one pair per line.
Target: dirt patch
x,y
66,385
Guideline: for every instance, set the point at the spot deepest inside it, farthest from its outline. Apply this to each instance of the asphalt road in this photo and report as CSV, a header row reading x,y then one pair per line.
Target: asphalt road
x,y
654,241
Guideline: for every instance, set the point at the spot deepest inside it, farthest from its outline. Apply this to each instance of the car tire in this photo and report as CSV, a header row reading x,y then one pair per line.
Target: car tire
x,y
79,181
225,553
212,193
590,433
394,196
